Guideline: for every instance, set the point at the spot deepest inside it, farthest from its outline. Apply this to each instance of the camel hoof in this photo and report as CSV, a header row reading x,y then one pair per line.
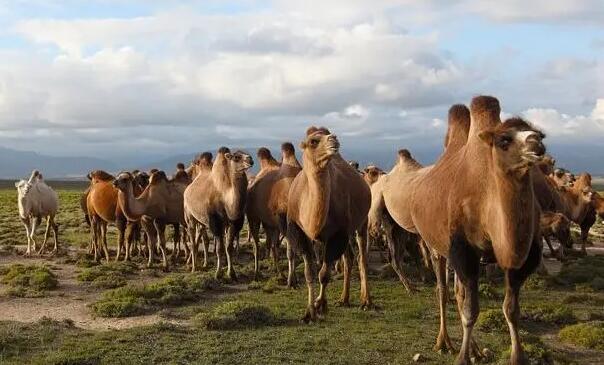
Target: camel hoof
x,y
343,303
444,347
310,316
368,305
321,306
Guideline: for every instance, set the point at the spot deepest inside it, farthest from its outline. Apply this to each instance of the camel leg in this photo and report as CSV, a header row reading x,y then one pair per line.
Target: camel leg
x,y
151,234
584,236
205,242
511,305
161,235
298,239
94,236
55,234
347,260
46,233
292,282
362,244
34,225
321,301
194,238
443,342
129,240
272,235
104,237
184,238
549,244
231,235
395,247
218,246
26,223
121,229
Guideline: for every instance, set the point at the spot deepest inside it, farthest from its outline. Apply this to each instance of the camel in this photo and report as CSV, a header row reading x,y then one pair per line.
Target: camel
x,y
216,200
102,207
598,202
36,200
161,203
562,177
577,205
327,205
267,203
558,226
181,175
371,174
479,199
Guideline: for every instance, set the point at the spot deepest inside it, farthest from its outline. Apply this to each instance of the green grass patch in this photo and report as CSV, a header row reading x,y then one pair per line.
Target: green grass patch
x,y
108,276
584,272
237,315
583,298
134,300
18,338
550,314
492,320
590,335
27,280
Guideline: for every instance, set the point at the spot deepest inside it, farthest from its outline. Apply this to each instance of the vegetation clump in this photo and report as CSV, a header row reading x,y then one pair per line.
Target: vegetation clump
x,y
134,300
536,352
590,335
492,320
237,315
550,314
108,276
487,291
583,298
586,271
27,280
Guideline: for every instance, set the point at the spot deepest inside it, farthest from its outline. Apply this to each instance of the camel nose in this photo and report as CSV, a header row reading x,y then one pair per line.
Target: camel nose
x,y
115,183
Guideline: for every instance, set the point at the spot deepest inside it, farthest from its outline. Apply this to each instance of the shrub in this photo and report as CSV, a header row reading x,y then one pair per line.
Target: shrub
x,y
587,271
487,291
133,300
28,281
535,351
551,314
109,276
590,335
583,298
492,320
236,315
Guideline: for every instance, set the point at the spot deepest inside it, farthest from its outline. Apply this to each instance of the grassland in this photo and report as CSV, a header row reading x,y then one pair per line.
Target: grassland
x,y
188,318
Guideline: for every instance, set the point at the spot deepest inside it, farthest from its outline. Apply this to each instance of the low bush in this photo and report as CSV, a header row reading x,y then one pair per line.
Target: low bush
x,y
28,280
236,315
590,335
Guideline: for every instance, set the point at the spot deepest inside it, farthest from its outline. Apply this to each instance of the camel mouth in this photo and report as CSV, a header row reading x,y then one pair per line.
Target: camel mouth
x,y
333,145
531,156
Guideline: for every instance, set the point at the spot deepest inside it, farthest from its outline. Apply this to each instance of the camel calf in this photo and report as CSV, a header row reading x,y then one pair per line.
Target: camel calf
x,y
558,226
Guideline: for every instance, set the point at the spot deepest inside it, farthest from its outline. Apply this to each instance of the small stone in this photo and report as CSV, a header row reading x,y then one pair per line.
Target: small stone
x,y
487,353
418,358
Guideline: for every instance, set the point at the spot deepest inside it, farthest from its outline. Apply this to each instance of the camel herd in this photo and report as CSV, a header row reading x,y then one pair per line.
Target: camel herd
x,y
492,196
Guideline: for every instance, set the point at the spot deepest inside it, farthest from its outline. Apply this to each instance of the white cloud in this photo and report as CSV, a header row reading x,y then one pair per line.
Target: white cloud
x,y
562,127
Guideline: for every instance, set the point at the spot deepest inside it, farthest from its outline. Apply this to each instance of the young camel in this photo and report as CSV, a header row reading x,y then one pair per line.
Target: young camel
x,y
558,226
37,200
216,200
160,204
328,204
267,204
489,207
577,205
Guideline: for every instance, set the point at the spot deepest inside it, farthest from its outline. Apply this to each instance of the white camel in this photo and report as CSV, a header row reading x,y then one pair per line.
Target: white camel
x,y
36,201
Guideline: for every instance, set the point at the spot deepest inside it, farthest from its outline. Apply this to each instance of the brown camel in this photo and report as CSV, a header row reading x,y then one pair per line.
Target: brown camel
x,y
558,226
161,203
181,175
371,174
577,205
598,202
562,177
267,203
476,200
328,204
215,201
101,204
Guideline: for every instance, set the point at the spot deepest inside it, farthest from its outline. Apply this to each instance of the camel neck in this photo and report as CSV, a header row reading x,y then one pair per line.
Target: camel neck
x,y
235,196
317,201
290,160
132,207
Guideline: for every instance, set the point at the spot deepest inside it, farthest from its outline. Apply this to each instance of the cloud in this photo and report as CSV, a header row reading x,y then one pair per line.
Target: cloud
x,y
562,127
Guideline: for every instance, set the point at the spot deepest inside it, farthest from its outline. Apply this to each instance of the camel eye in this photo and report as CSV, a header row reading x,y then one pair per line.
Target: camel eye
x,y
504,141
314,142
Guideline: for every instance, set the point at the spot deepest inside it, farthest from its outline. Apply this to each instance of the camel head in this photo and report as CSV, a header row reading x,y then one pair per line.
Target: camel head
x,y
515,145
319,147
124,181
372,174
546,165
100,175
354,164
141,178
239,161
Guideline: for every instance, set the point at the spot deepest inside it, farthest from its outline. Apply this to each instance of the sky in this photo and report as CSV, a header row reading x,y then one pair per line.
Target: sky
x,y
121,79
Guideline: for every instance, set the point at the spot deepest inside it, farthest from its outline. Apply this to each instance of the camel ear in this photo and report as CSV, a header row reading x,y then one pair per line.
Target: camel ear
x,y
487,136
302,145
228,156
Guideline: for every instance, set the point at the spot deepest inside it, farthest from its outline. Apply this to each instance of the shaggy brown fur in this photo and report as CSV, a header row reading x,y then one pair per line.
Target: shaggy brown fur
x,y
181,175
267,202
558,226
577,205
159,204
328,203
490,206
215,201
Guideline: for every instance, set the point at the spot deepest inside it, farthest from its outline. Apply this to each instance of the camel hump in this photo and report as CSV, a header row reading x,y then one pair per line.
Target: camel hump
x,y
404,153
459,125
101,175
288,148
313,130
157,177
204,158
224,150
264,154
485,111
180,166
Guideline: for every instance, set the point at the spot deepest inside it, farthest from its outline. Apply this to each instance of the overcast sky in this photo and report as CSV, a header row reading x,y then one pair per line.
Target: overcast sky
x,y
112,78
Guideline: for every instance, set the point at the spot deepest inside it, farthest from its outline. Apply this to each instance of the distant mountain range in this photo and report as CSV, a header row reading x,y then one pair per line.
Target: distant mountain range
x,y
19,164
